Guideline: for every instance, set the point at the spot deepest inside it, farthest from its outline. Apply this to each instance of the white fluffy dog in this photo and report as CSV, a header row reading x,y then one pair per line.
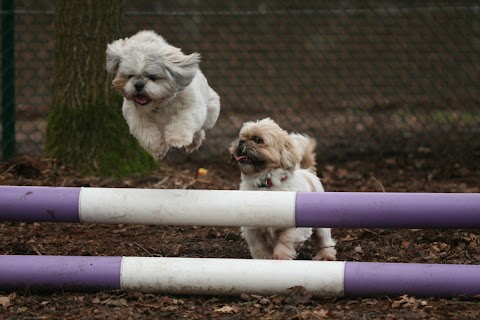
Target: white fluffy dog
x,y
167,100
270,159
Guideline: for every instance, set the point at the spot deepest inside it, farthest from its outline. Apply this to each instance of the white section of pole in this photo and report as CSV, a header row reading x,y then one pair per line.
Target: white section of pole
x,y
187,207
208,276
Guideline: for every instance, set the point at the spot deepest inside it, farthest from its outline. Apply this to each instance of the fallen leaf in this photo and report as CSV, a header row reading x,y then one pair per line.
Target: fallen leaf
x,y
5,302
391,161
165,300
342,173
116,302
348,237
226,309
370,302
405,301
298,295
329,168
322,313
277,299
246,297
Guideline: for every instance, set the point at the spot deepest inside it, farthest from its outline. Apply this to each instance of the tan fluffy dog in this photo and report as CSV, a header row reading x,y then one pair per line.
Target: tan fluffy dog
x,y
270,159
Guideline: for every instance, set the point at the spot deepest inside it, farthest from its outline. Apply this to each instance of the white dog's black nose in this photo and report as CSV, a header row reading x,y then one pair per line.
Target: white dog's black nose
x,y
139,85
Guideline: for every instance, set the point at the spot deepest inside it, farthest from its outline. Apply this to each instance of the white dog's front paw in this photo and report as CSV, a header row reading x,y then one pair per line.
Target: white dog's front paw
x,y
197,141
179,141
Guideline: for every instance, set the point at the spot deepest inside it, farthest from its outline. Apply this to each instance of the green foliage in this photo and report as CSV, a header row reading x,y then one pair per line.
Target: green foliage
x,y
94,139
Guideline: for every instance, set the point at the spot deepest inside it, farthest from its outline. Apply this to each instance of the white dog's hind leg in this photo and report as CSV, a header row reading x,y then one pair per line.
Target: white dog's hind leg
x,y
147,133
197,141
160,151
213,109
150,138
325,244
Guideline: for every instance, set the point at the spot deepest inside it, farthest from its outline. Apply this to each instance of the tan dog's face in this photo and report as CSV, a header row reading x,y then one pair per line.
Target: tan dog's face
x,y
262,146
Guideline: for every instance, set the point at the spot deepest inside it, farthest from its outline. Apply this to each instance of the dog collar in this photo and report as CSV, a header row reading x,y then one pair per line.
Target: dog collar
x,y
267,183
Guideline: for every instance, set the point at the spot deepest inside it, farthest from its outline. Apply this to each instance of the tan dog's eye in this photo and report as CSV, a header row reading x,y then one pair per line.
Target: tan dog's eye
x,y
130,76
152,77
257,140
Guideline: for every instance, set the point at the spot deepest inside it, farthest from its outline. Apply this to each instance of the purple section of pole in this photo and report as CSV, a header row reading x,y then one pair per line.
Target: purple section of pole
x,y
40,204
422,280
388,210
59,273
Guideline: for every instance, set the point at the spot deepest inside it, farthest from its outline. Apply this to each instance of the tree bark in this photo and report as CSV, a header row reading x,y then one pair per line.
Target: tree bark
x,y
86,129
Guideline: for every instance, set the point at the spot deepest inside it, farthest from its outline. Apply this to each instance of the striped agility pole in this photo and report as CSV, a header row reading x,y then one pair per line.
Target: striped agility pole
x,y
240,208
204,276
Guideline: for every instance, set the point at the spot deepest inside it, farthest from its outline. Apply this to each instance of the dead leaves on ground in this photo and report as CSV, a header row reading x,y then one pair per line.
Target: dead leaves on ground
x,y
297,303
409,302
25,170
6,301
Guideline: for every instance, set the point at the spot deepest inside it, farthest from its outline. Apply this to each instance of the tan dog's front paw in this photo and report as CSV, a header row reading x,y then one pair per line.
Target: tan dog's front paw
x,y
326,254
179,141
281,256
282,252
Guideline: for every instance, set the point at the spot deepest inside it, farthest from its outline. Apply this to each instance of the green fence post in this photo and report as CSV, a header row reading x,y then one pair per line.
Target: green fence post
x,y
8,80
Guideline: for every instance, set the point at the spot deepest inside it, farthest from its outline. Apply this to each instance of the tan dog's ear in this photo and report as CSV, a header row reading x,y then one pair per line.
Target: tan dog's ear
x,y
233,146
231,150
114,53
289,156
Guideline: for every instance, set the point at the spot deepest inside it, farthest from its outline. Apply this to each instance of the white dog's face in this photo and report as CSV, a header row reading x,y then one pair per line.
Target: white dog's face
x,y
149,71
263,146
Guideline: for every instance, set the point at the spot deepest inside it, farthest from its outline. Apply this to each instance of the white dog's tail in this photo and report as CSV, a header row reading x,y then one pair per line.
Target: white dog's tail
x,y
306,147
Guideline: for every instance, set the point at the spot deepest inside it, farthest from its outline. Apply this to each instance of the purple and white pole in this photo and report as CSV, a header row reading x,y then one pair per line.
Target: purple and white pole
x,y
235,276
240,208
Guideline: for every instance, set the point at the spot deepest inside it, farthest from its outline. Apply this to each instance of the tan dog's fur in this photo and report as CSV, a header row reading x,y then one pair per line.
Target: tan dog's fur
x,y
270,159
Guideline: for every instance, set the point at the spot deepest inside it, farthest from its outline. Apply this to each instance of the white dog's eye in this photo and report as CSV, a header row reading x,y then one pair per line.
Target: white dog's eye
x,y
130,76
152,77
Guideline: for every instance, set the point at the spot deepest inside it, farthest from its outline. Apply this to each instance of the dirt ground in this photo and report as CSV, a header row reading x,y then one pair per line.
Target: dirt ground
x,y
417,172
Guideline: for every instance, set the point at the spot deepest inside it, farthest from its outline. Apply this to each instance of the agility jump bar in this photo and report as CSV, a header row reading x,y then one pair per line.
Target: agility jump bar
x,y
205,276
240,208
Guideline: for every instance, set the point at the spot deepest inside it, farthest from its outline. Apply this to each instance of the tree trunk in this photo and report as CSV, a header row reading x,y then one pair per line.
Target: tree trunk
x,y
86,129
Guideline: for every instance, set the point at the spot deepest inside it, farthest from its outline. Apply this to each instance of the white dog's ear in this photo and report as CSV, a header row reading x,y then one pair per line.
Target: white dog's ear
x,y
183,69
114,54
289,156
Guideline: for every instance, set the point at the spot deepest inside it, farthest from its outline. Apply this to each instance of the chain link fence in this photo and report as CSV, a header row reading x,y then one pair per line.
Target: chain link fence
x,y
359,76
